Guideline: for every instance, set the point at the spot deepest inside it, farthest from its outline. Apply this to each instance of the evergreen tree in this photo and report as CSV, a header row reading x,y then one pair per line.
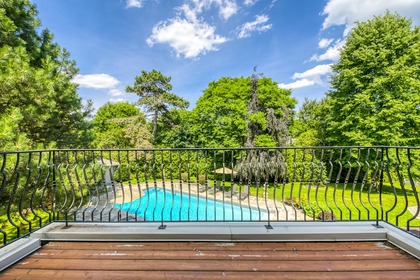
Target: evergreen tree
x,y
36,78
154,88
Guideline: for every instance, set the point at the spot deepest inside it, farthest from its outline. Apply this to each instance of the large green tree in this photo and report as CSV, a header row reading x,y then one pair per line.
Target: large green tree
x,y
175,129
120,125
375,96
221,116
154,88
310,123
36,78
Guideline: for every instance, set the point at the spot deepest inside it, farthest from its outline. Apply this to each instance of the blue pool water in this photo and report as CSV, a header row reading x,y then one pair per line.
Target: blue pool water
x,y
159,205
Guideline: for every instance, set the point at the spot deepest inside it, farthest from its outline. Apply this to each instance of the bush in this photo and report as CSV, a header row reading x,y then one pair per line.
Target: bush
x,y
326,216
202,179
312,209
184,177
293,201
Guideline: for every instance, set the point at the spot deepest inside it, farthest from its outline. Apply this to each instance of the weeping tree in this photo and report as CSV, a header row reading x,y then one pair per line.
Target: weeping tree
x,y
266,126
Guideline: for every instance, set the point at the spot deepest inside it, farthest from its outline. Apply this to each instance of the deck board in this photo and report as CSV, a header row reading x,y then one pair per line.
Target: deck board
x,y
211,260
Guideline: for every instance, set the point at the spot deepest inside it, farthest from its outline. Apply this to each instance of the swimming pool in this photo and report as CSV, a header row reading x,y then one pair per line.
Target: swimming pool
x,y
159,205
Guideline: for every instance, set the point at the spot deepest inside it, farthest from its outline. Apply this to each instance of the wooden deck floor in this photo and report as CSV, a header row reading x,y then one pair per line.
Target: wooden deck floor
x,y
205,260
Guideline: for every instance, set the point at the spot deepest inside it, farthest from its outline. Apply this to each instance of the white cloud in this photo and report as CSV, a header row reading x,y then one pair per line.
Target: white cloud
x,y
188,37
226,8
323,43
332,53
116,100
298,84
134,4
115,92
97,81
346,12
314,73
310,77
259,25
229,9
249,2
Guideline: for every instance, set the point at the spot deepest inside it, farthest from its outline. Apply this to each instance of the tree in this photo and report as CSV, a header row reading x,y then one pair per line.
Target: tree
x,y
10,136
120,125
19,25
258,121
153,89
375,92
310,123
175,129
221,114
36,77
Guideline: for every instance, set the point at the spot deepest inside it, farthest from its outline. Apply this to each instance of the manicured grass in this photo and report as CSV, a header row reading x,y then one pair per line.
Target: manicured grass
x,y
347,202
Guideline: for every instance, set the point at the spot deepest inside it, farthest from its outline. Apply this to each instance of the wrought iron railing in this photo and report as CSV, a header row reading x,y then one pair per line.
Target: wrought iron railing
x,y
168,185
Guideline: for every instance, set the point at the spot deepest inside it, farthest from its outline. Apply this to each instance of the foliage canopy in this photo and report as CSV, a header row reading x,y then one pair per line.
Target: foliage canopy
x,y
36,78
220,115
154,88
375,96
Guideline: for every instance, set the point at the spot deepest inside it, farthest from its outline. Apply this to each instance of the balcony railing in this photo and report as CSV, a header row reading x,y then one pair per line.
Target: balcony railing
x,y
169,185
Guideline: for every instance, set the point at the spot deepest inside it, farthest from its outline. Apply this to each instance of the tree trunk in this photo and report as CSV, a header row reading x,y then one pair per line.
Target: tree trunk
x,y
155,119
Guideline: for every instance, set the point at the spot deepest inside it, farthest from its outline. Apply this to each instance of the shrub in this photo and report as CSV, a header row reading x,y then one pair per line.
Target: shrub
x,y
202,179
293,201
326,216
312,209
184,177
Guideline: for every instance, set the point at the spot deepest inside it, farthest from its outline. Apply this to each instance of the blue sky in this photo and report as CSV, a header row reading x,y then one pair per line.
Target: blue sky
x,y
294,42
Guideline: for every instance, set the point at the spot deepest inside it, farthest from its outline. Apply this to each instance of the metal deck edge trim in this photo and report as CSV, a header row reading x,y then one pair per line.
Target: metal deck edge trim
x,y
403,240
226,231
16,251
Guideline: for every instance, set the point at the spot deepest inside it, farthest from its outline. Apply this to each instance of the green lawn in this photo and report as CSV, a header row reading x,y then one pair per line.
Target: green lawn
x,y
347,202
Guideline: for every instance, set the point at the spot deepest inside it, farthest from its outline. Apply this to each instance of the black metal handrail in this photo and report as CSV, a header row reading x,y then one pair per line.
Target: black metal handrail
x,y
375,183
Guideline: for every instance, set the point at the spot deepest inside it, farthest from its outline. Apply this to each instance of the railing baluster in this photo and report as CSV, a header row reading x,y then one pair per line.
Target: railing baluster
x,y
2,190
391,181
354,185
318,185
292,202
413,188
346,181
310,185
23,194
302,179
337,182
283,187
402,185
12,195
51,157
35,189
171,175
138,184
189,184
363,183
